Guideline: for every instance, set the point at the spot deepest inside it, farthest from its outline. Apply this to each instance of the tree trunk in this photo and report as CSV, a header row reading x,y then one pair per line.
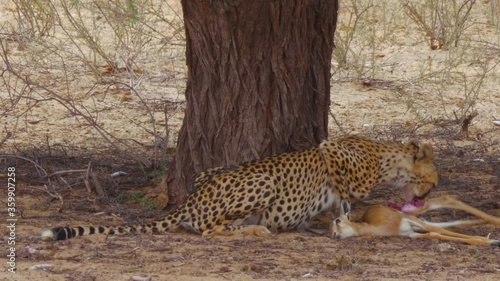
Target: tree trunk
x,y
258,83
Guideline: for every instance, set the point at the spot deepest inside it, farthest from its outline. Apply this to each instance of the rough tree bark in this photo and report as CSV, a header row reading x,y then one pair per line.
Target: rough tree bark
x,y
258,83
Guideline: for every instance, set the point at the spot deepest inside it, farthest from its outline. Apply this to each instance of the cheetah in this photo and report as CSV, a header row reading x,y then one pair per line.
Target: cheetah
x,y
285,191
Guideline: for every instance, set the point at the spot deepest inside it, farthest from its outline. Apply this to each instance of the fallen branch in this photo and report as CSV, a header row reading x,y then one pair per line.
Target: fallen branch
x,y
63,172
39,168
54,195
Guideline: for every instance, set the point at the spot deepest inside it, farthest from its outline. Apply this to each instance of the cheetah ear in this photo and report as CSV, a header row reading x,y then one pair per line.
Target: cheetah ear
x,y
414,143
425,153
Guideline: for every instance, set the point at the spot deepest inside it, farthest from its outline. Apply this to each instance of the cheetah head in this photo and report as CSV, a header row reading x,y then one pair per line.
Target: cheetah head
x,y
421,174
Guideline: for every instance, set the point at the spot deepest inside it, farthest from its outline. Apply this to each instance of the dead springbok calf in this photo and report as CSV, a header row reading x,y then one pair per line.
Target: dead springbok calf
x,y
387,221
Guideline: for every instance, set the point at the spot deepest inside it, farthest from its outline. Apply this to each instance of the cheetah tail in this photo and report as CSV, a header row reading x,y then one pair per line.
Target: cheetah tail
x,y
170,222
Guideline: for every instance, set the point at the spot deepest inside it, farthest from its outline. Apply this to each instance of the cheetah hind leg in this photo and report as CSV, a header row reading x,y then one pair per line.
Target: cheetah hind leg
x,y
228,230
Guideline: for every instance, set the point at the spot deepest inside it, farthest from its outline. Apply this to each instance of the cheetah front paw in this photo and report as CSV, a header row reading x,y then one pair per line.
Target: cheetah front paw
x,y
259,230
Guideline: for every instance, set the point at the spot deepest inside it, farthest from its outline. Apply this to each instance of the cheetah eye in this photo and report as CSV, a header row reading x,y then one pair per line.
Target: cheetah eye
x,y
337,221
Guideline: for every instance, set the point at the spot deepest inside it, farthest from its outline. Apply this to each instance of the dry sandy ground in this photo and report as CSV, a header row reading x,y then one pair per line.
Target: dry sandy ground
x,y
469,168
283,256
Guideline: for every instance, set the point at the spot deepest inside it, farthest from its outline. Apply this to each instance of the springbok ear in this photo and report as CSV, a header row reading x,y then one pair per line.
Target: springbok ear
x,y
345,207
425,153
